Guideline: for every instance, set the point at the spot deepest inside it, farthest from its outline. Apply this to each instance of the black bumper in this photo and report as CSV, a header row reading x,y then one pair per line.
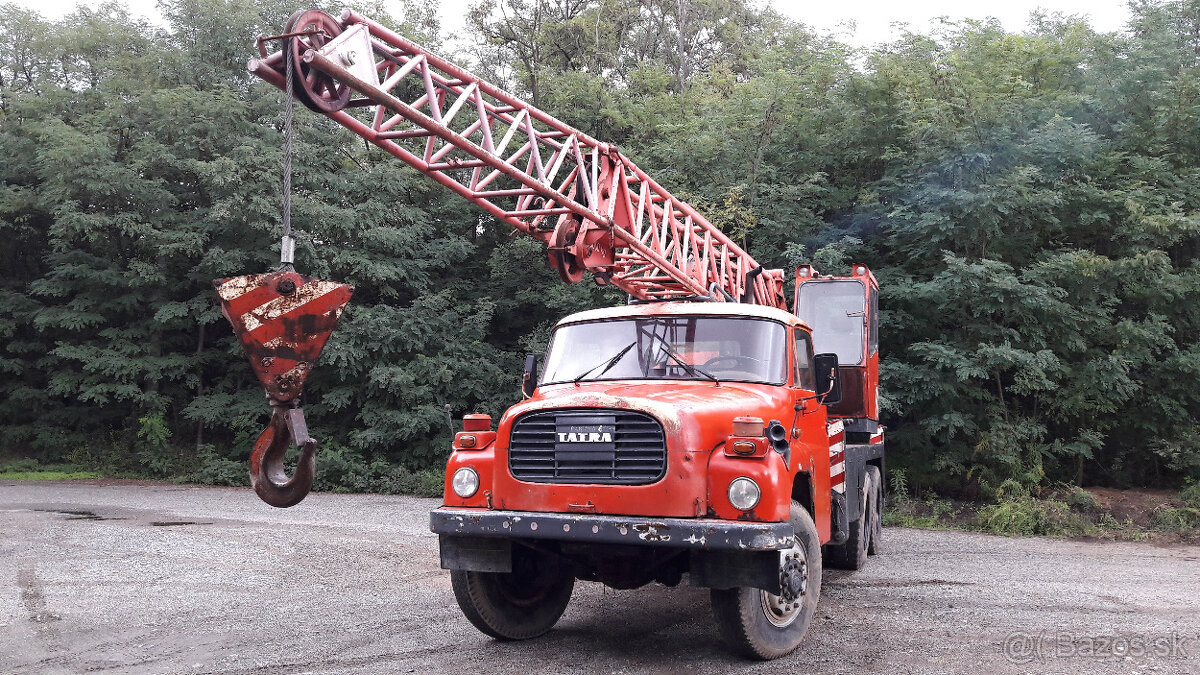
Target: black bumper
x,y
689,533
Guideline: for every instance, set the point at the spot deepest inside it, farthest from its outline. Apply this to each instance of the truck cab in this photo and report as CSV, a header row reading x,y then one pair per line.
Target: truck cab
x,y
635,408
661,440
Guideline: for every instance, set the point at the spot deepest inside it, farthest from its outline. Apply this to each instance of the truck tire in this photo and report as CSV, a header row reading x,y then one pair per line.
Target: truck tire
x,y
517,605
761,625
875,544
852,554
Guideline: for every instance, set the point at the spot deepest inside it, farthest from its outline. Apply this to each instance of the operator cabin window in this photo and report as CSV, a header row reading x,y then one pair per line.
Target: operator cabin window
x,y
836,313
804,373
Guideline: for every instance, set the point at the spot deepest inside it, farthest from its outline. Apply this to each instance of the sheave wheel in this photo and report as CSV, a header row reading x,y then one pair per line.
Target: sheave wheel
x,y
875,545
762,625
310,86
517,605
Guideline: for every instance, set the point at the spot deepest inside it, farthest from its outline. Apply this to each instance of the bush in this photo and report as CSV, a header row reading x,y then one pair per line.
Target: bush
x,y
1077,498
153,447
899,480
217,470
423,483
1191,495
1027,516
19,465
1081,500
930,512
339,469
343,469
1184,520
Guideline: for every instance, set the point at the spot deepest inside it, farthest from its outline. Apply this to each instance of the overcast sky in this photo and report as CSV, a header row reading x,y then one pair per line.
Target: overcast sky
x,y
860,22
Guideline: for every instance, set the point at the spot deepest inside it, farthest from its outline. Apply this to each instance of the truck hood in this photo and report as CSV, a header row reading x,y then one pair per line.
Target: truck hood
x,y
677,404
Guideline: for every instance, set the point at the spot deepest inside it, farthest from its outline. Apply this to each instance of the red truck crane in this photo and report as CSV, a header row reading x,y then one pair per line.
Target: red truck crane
x,y
703,429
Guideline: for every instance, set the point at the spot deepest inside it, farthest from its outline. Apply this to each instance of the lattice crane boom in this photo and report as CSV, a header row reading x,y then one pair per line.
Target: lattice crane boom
x,y
596,210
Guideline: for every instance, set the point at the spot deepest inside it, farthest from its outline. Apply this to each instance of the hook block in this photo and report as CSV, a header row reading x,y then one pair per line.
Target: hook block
x,y
283,320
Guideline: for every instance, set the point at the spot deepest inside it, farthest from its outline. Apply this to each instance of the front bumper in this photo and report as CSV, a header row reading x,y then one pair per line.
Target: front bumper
x,y
690,533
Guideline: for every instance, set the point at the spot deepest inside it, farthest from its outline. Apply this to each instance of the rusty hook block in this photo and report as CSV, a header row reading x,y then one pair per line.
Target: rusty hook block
x,y
283,320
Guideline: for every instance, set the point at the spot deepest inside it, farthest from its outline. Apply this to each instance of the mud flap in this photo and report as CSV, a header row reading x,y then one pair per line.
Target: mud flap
x,y
731,569
839,520
475,554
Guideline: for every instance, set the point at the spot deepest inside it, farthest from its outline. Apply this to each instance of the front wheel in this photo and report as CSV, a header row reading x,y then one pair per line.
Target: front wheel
x,y
517,605
763,625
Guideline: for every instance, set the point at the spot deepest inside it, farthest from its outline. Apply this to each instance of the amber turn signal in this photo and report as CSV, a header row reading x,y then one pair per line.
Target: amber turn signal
x,y
744,447
466,441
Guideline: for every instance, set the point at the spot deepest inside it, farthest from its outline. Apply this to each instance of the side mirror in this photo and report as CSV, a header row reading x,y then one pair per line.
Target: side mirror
x,y
530,378
829,386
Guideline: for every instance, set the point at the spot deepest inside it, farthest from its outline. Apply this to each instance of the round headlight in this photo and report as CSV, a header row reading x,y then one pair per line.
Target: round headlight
x,y
744,493
466,482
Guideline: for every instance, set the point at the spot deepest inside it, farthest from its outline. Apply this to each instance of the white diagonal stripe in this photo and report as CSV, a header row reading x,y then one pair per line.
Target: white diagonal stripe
x,y
273,309
238,286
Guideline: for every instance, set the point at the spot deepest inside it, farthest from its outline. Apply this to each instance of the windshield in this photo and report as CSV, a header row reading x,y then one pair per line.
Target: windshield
x,y
669,348
835,311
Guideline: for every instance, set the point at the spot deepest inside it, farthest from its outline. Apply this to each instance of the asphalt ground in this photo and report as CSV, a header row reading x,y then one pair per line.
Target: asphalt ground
x,y
175,579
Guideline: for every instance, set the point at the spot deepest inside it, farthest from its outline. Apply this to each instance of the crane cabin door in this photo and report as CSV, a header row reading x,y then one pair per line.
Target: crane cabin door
x,y
843,313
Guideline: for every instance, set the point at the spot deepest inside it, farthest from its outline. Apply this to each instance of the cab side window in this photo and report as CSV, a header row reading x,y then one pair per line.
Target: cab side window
x,y
873,332
803,377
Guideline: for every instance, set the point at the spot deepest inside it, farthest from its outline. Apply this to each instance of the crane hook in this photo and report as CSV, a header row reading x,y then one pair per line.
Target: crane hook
x,y
267,475
283,320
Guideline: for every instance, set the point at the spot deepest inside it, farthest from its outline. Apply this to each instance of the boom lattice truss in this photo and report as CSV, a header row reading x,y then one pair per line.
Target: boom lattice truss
x,y
596,210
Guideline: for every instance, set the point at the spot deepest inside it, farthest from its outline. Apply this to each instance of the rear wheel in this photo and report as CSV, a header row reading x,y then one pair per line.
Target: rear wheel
x,y
517,605
763,625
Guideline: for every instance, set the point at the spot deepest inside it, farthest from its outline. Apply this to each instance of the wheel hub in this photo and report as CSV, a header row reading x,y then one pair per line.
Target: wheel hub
x,y
781,610
793,579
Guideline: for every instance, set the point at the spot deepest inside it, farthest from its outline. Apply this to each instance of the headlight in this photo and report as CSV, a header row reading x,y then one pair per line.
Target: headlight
x,y
743,493
466,482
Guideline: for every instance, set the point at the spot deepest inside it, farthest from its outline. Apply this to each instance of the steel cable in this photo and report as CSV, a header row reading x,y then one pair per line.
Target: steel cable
x,y
287,244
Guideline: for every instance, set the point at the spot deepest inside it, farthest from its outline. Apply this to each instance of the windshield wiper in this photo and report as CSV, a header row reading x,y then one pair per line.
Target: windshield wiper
x,y
691,369
607,364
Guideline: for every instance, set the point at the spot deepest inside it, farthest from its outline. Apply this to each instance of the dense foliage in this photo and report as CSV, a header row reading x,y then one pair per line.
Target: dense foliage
x,y
1029,201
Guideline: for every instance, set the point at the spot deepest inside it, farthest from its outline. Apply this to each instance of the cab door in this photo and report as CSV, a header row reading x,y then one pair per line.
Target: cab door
x,y
809,418
809,433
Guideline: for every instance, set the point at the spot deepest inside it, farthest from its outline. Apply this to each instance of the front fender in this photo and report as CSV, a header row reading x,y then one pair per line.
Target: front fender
x,y
769,472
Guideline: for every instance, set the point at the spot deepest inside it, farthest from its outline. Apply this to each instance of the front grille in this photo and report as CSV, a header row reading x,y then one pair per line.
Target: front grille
x,y
609,447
